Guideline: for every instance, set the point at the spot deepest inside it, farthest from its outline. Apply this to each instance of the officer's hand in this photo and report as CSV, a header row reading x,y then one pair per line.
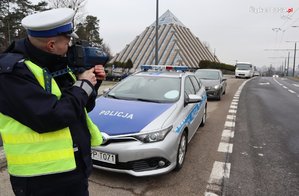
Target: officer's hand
x,y
88,75
99,72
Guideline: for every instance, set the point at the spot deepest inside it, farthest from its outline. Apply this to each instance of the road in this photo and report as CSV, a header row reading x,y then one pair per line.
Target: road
x,y
265,159
261,156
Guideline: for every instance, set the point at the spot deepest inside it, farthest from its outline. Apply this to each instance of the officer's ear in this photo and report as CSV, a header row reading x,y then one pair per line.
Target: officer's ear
x,y
50,45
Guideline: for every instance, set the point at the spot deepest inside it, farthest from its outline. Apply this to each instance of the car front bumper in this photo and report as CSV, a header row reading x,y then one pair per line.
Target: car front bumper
x,y
242,75
141,159
213,93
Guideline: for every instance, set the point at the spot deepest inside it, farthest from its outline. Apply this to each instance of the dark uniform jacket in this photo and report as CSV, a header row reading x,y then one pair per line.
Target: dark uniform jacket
x,y
22,98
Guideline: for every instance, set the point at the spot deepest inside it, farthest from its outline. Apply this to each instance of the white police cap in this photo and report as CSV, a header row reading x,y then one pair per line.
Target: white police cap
x,y
50,23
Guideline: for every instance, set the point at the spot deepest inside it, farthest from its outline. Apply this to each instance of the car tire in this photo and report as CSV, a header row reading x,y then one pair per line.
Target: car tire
x,y
219,97
204,118
181,152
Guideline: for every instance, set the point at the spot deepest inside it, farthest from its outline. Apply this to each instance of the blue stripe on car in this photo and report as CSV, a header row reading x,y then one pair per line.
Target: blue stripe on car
x,y
191,115
117,117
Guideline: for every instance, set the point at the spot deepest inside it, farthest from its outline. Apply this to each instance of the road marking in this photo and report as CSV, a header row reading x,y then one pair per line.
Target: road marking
x,y
234,103
225,147
230,117
232,134
228,133
264,83
232,111
291,91
285,87
220,170
229,124
210,194
233,107
297,85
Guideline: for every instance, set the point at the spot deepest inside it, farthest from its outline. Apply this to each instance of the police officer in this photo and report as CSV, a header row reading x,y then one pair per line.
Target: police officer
x,y
47,134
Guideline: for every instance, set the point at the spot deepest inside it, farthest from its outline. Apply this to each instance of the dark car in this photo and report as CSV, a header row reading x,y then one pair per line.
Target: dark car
x,y
213,81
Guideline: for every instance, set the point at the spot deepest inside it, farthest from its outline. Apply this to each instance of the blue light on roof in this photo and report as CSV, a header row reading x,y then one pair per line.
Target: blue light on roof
x,y
164,68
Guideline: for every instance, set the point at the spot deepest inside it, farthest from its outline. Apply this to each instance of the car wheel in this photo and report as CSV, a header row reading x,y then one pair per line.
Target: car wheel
x,y
181,153
204,117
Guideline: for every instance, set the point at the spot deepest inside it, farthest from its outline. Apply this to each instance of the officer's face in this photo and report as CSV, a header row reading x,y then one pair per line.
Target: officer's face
x,y
60,45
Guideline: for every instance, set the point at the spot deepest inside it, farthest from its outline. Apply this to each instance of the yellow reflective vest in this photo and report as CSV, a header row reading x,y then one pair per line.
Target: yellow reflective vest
x,y
29,153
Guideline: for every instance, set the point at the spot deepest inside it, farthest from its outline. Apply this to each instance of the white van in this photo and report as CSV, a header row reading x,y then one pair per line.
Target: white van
x,y
244,70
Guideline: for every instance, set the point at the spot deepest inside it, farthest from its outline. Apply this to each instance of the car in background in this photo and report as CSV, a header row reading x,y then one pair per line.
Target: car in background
x,y
116,76
214,82
244,70
275,76
148,119
256,73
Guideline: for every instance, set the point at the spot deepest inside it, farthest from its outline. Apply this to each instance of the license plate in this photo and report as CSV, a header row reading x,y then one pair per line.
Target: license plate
x,y
103,156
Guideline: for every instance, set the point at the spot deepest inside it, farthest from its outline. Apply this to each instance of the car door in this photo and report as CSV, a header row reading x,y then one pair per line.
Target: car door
x,y
200,91
192,108
223,83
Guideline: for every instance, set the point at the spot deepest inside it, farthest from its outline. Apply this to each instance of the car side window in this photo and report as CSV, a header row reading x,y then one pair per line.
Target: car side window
x,y
195,83
221,75
189,89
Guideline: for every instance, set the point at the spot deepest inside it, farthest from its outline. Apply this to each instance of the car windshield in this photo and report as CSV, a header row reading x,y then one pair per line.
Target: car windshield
x,y
243,66
208,75
147,88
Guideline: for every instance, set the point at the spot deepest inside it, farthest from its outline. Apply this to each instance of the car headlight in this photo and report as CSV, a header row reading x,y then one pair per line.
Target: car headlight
x,y
153,136
217,86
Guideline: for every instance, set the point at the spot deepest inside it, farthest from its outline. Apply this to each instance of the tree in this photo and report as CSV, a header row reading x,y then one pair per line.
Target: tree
x,y
11,14
88,30
226,68
76,5
129,64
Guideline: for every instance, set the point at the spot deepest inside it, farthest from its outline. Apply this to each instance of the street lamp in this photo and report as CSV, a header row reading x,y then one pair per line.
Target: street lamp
x,y
294,63
157,23
288,64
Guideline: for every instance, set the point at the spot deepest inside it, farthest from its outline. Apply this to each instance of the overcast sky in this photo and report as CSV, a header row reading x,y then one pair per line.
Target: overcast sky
x,y
236,29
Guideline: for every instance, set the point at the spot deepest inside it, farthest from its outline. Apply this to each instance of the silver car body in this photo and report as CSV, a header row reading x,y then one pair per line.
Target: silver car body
x,y
123,121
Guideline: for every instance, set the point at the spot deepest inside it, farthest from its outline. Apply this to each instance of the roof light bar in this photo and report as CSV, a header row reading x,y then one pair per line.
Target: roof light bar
x,y
164,67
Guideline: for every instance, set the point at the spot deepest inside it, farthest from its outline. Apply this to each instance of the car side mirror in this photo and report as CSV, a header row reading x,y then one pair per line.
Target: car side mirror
x,y
106,90
193,99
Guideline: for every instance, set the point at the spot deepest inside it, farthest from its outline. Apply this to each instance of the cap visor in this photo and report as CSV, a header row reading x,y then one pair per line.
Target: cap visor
x,y
73,35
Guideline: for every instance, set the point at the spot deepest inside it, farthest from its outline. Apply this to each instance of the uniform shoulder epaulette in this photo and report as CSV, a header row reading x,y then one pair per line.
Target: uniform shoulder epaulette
x,y
8,61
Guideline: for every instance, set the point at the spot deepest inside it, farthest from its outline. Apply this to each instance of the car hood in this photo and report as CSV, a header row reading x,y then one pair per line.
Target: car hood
x,y
120,117
209,83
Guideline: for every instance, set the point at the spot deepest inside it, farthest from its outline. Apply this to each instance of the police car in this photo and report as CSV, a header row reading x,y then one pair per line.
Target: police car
x,y
148,119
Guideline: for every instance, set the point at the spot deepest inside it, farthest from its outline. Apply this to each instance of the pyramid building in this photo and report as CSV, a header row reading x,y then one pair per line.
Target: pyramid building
x,y
176,45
